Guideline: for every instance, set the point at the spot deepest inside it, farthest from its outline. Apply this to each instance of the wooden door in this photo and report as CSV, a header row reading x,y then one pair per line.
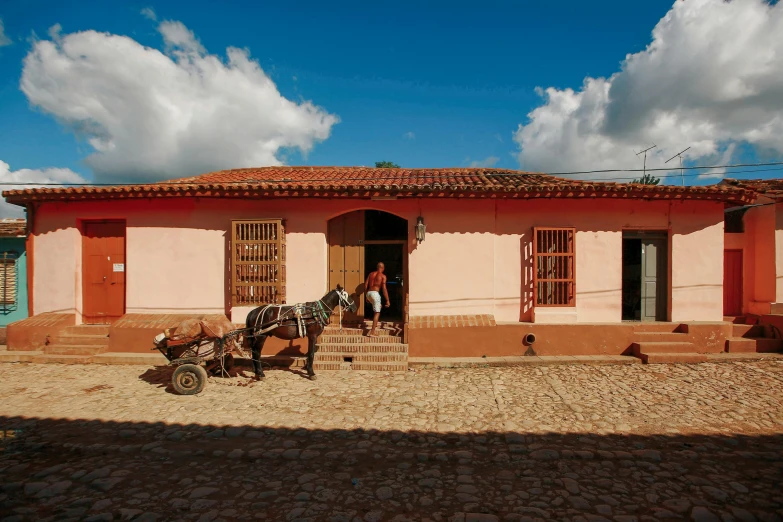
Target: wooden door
x,y
732,282
103,271
654,270
346,258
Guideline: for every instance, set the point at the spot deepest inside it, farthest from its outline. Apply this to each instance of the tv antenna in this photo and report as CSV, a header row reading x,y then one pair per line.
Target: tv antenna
x,y
682,176
644,172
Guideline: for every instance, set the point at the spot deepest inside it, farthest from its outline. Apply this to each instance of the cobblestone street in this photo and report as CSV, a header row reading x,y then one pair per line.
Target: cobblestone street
x,y
562,442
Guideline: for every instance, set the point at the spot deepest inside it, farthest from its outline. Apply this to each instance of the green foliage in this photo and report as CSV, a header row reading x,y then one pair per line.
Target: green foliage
x,y
647,179
386,165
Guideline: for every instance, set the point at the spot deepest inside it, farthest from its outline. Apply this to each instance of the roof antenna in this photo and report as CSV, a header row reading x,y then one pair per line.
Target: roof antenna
x,y
644,172
682,176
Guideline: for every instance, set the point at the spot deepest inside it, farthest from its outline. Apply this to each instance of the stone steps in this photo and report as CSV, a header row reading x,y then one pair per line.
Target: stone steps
x,y
79,341
349,348
333,338
672,358
657,337
75,349
661,347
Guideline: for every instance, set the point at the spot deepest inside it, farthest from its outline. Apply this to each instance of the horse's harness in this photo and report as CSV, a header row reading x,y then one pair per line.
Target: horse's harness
x,y
300,313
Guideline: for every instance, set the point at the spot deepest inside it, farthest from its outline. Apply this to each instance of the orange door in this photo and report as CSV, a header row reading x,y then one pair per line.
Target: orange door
x,y
346,258
103,271
732,282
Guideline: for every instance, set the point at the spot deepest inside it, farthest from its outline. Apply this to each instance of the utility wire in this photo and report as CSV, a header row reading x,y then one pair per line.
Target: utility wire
x,y
395,177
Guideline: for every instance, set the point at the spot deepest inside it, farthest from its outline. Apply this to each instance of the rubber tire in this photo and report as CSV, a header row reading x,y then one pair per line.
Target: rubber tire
x,y
194,377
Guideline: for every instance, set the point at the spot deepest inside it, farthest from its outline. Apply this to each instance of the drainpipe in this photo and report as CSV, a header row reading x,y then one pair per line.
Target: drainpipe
x,y
528,340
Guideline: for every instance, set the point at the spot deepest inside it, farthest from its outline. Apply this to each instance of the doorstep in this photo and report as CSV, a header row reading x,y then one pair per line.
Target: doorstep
x,y
743,357
472,362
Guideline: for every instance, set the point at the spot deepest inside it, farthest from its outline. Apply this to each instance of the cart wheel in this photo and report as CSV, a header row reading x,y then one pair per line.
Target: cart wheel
x,y
189,379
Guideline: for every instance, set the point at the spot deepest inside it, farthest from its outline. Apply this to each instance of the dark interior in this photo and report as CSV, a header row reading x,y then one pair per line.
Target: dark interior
x,y
632,279
380,226
391,256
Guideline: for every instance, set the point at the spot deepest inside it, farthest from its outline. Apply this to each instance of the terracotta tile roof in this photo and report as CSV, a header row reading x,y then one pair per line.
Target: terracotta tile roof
x,y
365,182
769,187
13,227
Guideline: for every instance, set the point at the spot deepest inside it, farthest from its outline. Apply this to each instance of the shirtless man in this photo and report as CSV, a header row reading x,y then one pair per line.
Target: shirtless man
x,y
375,282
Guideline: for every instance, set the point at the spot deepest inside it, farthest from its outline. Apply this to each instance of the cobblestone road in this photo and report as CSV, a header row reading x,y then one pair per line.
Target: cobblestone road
x,y
572,442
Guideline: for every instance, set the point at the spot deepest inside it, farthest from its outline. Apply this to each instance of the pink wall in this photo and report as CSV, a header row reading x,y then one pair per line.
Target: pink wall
x,y
474,260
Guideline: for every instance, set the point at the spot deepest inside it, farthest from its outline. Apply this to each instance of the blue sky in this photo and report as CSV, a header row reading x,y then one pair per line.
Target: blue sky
x,y
424,84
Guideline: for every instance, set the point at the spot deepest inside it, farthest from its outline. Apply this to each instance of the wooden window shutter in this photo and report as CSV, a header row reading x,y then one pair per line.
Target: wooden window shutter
x,y
554,266
257,262
8,278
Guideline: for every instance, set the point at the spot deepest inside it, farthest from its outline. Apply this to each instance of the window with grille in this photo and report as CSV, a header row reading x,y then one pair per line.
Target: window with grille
x,y
554,268
257,262
8,278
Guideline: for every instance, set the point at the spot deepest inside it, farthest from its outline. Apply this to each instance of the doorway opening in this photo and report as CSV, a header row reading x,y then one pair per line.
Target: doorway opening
x,y
644,276
358,241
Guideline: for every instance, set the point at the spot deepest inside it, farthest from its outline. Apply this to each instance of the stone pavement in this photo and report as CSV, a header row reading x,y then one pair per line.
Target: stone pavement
x,y
572,442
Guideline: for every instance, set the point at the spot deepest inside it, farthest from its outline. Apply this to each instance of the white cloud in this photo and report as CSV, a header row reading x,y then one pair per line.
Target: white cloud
x,y
149,13
712,77
4,40
409,135
27,176
152,115
486,162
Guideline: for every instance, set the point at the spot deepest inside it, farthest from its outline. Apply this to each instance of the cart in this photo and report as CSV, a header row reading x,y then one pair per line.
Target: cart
x,y
196,357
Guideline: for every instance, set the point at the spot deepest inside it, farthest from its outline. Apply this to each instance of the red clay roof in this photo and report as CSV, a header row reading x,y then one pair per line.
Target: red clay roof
x,y
769,187
365,182
13,227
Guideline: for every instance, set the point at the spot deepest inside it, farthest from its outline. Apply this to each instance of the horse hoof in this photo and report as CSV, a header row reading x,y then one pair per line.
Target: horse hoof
x,y
260,377
313,378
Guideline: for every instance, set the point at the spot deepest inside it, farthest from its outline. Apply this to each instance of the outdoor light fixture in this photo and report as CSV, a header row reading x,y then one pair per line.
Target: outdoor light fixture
x,y
421,228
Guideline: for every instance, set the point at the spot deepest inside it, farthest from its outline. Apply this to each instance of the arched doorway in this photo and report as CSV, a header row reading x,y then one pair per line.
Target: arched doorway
x,y
359,240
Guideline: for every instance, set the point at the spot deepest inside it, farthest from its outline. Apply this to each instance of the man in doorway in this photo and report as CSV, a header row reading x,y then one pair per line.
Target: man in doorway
x,y
376,282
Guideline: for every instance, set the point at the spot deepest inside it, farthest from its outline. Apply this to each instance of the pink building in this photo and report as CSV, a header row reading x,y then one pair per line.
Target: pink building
x,y
477,259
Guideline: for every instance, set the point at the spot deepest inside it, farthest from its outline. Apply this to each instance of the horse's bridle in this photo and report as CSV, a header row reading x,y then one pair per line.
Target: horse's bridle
x,y
343,298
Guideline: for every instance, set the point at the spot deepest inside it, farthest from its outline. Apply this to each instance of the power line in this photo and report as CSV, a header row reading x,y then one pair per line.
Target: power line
x,y
394,177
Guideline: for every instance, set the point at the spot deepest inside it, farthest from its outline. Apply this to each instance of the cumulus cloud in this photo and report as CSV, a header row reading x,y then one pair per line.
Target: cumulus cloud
x,y
712,77
4,40
487,162
152,115
149,13
30,176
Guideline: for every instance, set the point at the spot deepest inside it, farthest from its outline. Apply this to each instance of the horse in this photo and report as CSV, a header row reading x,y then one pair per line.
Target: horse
x,y
292,322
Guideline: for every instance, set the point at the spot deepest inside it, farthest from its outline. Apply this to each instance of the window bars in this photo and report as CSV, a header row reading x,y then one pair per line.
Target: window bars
x,y
257,262
554,266
9,281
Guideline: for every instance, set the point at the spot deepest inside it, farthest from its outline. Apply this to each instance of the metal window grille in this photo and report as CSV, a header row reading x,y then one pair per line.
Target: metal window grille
x,y
554,269
257,262
9,280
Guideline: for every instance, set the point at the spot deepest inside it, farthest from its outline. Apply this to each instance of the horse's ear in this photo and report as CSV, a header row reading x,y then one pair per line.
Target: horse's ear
x,y
339,288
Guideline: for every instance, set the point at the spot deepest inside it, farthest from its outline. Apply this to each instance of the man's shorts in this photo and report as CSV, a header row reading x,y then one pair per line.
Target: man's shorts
x,y
375,299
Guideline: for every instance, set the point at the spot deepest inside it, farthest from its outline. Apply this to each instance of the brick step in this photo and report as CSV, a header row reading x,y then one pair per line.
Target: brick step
x,y
82,329
661,347
658,337
750,330
359,331
79,339
359,339
740,345
673,358
299,362
768,345
75,349
362,357
362,347
62,359
656,327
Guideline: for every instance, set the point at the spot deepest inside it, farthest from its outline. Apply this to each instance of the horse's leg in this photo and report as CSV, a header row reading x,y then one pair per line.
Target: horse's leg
x,y
258,344
311,340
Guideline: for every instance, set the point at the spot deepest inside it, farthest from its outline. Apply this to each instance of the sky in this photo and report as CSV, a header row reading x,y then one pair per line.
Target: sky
x,y
114,92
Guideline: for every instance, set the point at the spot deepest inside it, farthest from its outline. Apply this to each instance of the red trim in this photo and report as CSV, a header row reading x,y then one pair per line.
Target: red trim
x,y
30,250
